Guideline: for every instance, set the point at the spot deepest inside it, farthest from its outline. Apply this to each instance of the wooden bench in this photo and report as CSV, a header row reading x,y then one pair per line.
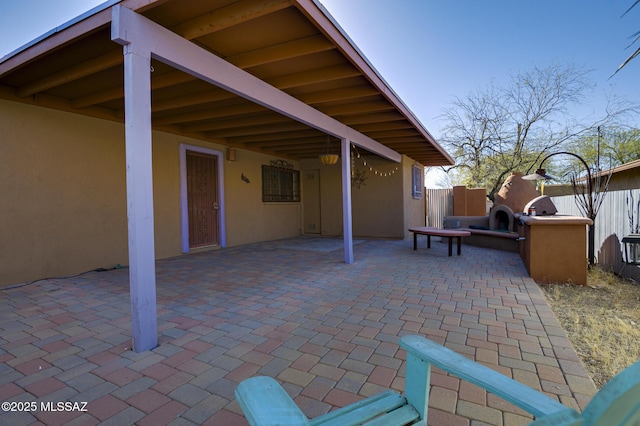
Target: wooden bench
x,y
439,232
264,402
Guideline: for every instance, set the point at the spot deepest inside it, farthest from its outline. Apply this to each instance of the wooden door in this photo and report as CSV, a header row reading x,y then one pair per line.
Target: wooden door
x,y
202,199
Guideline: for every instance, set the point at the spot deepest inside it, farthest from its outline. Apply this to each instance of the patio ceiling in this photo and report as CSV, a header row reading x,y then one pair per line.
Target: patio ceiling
x,y
290,44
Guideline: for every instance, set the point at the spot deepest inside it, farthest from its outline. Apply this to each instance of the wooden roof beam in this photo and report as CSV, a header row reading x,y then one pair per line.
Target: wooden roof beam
x,y
206,97
226,111
298,154
358,108
373,118
206,24
394,134
56,102
75,72
234,14
321,75
341,94
265,139
279,143
260,130
418,151
282,51
252,120
404,139
159,82
287,81
384,126
298,147
270,54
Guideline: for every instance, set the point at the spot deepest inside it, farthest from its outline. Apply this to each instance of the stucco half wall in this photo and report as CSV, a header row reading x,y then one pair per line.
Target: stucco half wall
x,y
63,189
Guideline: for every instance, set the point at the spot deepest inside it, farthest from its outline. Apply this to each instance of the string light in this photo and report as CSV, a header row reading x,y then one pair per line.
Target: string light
x,y
368,166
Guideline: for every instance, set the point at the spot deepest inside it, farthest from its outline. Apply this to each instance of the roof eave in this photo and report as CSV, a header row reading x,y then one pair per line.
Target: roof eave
x,y
59,36
100,16
330,27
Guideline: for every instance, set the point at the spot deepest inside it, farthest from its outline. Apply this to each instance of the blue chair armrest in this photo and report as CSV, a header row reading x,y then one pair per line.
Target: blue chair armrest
x,y
264,402
420,349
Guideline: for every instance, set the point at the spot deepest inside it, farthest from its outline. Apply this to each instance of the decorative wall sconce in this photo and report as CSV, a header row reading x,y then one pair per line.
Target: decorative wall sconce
x,y
358,178
231,154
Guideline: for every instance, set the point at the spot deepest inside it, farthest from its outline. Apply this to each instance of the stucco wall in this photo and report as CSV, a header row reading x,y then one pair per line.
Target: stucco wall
x,y
382,207
415,208
63,192
378,204
248,218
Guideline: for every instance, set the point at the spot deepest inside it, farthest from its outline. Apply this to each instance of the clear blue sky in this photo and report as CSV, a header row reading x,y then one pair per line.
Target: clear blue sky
x,y
431,51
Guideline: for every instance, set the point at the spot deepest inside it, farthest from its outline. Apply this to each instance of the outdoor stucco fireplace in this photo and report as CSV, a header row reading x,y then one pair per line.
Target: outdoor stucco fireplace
x,y
501,218
498,228
552,246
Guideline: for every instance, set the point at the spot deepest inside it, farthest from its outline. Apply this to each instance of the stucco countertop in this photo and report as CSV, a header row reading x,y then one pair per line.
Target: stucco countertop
x,y
553,220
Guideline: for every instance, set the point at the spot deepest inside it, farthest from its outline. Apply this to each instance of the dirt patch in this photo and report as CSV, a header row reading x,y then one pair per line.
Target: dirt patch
x,y
602,320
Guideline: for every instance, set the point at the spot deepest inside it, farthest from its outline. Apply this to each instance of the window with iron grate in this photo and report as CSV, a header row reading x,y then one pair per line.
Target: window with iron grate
x,y
280,183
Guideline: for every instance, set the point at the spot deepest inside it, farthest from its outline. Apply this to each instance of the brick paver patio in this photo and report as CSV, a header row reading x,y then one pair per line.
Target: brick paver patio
x,y
288,309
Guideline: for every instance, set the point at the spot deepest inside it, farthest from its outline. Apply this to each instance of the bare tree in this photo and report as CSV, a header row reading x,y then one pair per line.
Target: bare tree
x,y
494,132
633,213
589,194
474,132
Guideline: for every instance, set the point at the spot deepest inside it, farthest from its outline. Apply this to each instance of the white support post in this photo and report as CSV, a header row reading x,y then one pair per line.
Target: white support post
x,y
142,269
346,201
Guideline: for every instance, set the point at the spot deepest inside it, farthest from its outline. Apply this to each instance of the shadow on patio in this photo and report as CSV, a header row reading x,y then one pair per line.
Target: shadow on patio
x,y
289,309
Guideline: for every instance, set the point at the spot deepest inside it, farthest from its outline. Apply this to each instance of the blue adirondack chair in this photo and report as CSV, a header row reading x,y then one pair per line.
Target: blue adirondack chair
x,y
264,402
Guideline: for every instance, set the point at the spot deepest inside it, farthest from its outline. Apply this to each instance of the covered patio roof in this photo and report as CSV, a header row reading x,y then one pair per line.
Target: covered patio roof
x,y
276,76
292,45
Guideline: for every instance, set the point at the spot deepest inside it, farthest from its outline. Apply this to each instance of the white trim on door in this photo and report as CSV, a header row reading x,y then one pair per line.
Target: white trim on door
x,y
184,207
